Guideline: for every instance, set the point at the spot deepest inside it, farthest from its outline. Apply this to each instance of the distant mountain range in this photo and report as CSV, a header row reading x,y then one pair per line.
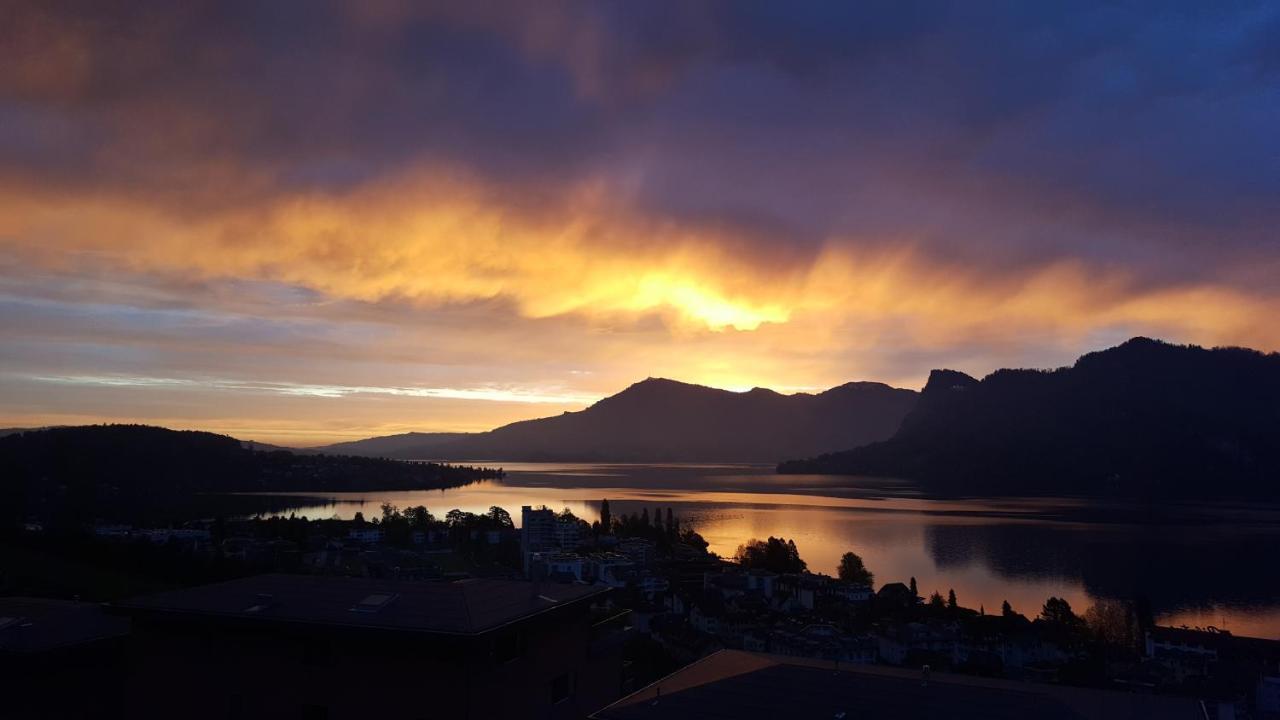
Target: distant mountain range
x,y
659,420
1145,418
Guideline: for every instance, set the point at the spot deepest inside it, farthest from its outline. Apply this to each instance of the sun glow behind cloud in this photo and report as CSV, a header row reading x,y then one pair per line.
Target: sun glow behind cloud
x,y
437,242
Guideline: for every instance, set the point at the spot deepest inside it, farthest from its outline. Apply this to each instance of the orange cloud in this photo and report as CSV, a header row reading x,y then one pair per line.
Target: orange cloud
x,y
443,240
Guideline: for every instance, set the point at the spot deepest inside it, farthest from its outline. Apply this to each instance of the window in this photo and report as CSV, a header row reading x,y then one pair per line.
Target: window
x,y
561,687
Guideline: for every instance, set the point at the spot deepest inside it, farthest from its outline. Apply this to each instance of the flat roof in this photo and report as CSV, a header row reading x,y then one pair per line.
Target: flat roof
x,y
31,625
460,607
742,685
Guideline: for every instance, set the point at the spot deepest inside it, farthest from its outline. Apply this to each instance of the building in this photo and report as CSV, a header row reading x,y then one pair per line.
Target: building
x,y
639,550
331,647
537,531
1187,654
744,686
50,646
366,535
1267,698
542,530
895,594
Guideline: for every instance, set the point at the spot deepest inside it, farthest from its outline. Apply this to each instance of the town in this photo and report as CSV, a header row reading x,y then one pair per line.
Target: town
x,y
651,600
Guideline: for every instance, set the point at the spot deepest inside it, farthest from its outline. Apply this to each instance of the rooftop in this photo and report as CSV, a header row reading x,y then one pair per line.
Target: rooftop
x,y
29,625
742,685
461,607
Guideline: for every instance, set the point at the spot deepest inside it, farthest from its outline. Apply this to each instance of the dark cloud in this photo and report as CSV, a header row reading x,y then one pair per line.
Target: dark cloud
x,y
1134,133
1118,121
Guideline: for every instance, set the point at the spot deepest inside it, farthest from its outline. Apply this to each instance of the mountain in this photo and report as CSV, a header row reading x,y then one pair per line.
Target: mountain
x,y
412,445
77,474
660,420
15,431
1145,418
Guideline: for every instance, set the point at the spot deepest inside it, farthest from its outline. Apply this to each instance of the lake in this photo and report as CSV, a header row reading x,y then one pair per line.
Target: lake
x,y
1199,564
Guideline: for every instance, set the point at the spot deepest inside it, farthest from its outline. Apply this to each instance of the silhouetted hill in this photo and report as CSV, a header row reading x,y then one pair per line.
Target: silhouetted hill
x,y
111,471
410,445
661,420
1142,418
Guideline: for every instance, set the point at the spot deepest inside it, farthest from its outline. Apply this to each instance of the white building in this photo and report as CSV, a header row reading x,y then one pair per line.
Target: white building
x,y
366,535
542,530
639,550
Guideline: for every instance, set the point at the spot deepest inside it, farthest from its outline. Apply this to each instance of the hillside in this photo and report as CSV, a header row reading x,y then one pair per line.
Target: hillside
x,y
112,471
1144,418
659,420
412,445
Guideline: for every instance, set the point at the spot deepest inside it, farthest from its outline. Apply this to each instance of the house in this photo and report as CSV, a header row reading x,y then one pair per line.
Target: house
x,y
896,594
706,612
564,565
853,592
333,647
1189,653
762,580
48,647
366,535
639,550
612,569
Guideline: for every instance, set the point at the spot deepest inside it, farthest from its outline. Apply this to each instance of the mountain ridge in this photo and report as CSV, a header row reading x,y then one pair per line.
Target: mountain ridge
x,y
1145,417
660,419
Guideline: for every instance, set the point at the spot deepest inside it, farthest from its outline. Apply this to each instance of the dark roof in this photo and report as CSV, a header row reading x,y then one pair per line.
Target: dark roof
x,y
30,625
741,685
461,607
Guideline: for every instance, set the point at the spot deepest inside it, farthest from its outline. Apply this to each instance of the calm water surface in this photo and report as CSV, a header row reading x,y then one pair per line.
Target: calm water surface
x,y
1198,564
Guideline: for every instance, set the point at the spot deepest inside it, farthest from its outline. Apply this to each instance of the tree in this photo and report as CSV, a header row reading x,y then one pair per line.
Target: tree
x,y
644,517
394,525
606,517
500,517
951,599
775,554
936,601
1006,610
459,518
693,539
915,592
1113,622
358,518
419,518
853,570
1058,612
671,523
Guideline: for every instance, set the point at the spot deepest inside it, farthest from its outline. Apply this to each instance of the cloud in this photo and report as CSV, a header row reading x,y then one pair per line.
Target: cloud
x,y
438,241
489,394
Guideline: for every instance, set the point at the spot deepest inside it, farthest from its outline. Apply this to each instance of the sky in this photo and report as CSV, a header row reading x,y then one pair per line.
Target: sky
x,y
305,222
